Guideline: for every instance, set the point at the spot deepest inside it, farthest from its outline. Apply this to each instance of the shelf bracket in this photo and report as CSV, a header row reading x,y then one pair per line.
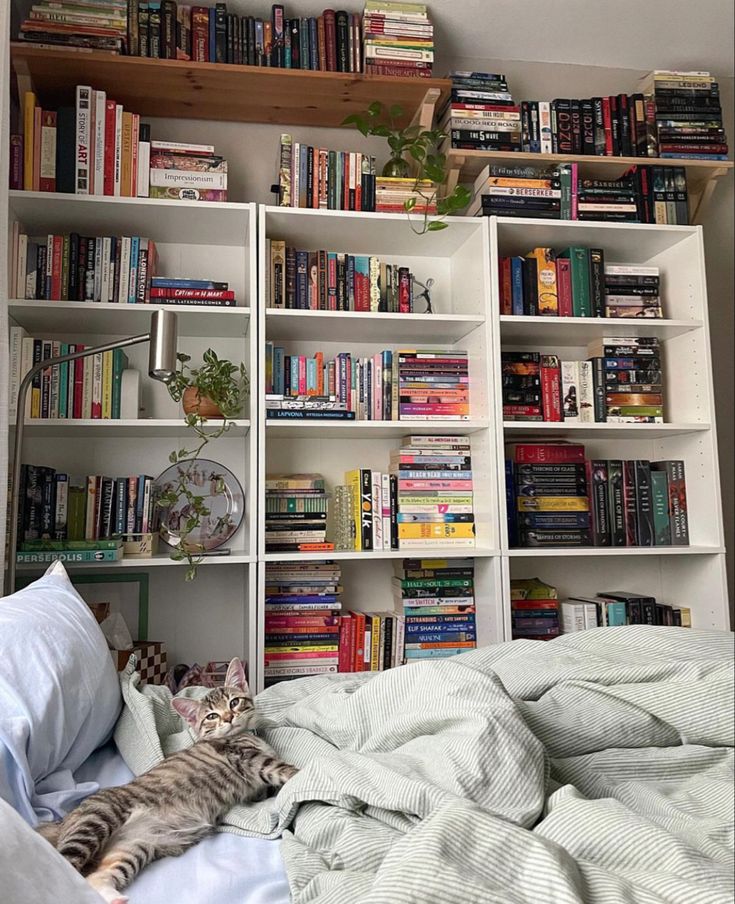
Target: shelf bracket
x,y
455,169
424,115
702,198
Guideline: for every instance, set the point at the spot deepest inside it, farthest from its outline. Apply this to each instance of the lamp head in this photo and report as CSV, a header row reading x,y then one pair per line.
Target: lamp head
x,y
162,350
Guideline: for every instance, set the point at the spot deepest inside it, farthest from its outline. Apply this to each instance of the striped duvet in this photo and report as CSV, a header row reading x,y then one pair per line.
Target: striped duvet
x,y
594,768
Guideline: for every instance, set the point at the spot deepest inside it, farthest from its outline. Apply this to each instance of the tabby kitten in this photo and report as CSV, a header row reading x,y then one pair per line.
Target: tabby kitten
x,y
113,834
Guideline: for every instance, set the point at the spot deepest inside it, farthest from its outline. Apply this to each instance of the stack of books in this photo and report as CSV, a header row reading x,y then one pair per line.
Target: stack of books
x,y
296,513
57,506
437,600
335,281
434,492
661,194
523,191
549,498
534,609
205,292
73,267
371,641
610,200
481,114
321,179
43,552
398,39
302,625
639,402
74,23
392,194
190,172
92,148
86,388
686,115
433,384
632,290
374,506
619,607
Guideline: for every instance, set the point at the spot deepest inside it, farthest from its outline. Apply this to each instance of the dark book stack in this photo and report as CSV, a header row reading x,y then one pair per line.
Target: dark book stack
x,y
334,281
662,195
321,179
437,600
642,609
434,485
524,191
521,373
296,513
302,619
611,200
56,508
480,114
179,291
549,498
72,23
628,379
632,290
686,115
399,39
433,384
534,609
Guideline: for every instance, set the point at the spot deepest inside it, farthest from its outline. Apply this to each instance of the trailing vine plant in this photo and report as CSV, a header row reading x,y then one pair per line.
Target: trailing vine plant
x,y
427,162
226,385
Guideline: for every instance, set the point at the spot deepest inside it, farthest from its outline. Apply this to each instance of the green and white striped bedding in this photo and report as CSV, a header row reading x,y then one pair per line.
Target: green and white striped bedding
x,y
594,768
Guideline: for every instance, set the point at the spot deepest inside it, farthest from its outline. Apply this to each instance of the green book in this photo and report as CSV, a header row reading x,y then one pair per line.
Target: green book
x,y
616,614
435,582
580,267
119,364
76,517
68,545
661,523
69,555
565,180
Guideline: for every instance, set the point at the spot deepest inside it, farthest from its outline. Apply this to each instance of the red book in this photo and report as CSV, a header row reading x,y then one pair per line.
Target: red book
x,y
16,162
564,286
322,46
346,637
404,291
200,34
109,167
78,384
546,453
358,650
323,173
56,255
607,125
330,39
629,504
223,294
534,604
315,619
506,290
278,657
346,182
315,178
295,630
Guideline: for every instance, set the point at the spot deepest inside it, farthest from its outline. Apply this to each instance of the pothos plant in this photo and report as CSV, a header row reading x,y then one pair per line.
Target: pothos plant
x,y
225,385
428,164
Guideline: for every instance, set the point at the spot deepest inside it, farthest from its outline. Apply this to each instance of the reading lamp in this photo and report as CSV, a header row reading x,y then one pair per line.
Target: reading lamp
x,y
161,366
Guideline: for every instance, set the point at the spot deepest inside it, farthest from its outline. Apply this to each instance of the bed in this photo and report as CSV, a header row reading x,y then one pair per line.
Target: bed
x,y
595,768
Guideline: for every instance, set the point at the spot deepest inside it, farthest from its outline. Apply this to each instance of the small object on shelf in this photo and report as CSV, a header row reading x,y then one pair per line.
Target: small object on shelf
x,y
139,546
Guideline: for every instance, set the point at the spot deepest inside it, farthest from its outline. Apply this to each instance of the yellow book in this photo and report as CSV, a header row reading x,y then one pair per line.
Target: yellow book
x,y
375,644
686,616
29,112
553,504
548,294
353,481
431,531
531,589
126,156
107,385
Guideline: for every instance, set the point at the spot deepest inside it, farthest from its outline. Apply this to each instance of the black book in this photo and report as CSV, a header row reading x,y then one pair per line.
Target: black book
x,y
168,30
599,126
631,503
342,29
230,38
616,502
564,127
73,266
599,490
597,281
66,118
577,140
588,126
48,503
154,34
220,33
600,390
645,531
615,124
624,125
144,48
530,287
535,126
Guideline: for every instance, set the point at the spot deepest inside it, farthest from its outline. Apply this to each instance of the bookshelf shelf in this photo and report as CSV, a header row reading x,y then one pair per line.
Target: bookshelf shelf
x,y
115,428
426,553
548,430
367,430
564,332
214,91
237,557
124,319
370,326
616,552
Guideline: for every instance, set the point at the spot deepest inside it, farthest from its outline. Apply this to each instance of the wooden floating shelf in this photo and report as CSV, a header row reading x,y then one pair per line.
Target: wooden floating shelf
x,y
186,90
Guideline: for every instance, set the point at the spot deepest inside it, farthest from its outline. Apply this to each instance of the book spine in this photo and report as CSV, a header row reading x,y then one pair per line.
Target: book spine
x,y
83,139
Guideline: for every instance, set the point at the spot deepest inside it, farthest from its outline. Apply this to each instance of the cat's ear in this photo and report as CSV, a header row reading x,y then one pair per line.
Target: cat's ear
x,y
235,676
190,710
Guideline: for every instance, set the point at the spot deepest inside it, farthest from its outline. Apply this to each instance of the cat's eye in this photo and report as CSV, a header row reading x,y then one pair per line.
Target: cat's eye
x,y
236,702
211,716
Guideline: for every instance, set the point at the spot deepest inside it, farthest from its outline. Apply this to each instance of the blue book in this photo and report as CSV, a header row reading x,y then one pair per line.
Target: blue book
x,y
133,281
278,372
302,280
616,614
693,156
325,598
311,376
313,44
449,627
304,37
442,637
516,283
166,282
294,375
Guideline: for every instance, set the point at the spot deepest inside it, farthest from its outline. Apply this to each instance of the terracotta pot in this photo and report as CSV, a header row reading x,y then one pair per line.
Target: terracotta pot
x,y
193,403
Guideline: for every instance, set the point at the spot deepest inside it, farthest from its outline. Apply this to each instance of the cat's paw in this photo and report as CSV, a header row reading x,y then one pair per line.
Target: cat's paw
x,y
109,894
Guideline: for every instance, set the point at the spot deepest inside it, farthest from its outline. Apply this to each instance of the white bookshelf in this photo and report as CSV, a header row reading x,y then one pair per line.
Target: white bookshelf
x,y
457,259
691,576
210,618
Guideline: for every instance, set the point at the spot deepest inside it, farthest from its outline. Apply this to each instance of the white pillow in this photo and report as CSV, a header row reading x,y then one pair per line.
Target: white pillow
x,y
59,695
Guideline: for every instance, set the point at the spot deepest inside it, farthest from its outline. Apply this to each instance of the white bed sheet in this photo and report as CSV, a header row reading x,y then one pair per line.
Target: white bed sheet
x,y
222,869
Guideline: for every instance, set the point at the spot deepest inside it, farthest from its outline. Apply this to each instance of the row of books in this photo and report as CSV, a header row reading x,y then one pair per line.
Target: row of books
x,y
620,383
86,388
98,148
576,282
437,600
559,498
644,194
406,384
296,507
334,281
55,506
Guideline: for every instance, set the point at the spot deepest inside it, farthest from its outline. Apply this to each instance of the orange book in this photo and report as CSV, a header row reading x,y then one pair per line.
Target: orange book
x,y
29,107
126,161
135,140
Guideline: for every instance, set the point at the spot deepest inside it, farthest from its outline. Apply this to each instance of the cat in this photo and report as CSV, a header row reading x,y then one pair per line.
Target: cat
x,y
113,834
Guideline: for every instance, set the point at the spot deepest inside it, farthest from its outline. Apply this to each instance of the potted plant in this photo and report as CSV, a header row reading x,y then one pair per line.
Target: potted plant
x,y
218,389
427,163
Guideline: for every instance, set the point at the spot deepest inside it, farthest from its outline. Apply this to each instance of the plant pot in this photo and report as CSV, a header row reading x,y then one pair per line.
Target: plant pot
x,y
193,403
397,168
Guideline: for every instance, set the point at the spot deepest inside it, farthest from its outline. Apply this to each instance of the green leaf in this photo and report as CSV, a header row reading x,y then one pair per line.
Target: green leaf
x,y
417,152
409,204
395,111
172,458
375,108
436,225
